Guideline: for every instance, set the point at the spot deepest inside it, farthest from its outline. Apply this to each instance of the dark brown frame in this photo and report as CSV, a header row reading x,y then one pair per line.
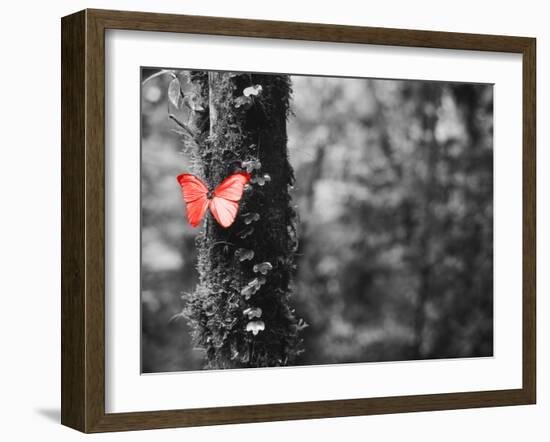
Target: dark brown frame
x,y
83,216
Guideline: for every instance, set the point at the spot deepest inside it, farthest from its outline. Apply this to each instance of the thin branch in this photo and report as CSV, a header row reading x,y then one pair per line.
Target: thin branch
x,y
158,74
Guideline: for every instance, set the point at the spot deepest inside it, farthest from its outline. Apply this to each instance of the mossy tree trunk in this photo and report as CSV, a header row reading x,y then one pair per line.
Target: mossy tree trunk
x,y
240,312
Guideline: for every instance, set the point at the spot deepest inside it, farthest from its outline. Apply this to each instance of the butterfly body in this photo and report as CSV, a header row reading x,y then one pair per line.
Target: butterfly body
x,y
223,202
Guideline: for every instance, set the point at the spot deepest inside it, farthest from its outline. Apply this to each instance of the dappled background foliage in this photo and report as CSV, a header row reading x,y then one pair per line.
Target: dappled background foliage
x,y
393,190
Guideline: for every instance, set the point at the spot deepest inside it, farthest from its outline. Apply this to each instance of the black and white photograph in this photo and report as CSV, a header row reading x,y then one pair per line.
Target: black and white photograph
x,y
293,220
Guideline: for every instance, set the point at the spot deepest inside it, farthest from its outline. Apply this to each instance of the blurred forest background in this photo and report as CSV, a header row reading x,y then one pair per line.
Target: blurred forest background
x,y
394,192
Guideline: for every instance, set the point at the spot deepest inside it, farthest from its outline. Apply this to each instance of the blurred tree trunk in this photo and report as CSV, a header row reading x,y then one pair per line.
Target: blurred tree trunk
x,y
239,315
428,103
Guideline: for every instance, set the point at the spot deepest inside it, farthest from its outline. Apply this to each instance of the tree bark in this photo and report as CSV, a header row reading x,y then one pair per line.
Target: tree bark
x,y
239,315
429,102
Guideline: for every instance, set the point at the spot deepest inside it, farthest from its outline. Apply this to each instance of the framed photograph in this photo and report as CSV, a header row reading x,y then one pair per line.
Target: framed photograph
x,y
267,220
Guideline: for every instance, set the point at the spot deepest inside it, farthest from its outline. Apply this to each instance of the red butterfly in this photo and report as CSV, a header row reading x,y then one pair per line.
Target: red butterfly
x,y
223,202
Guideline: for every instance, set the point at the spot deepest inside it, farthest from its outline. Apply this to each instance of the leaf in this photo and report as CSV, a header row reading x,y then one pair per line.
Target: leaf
x,y
234,351
251,217
244,254
255,327
264,268
243,102
253,90
174,92
253,312
246,232
249,290
189,102
302,324
261,180
251,165
252,287
193,101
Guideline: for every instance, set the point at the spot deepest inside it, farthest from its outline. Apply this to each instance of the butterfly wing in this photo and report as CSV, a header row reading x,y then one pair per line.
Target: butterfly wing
x,y
232,187
195,196
225,202
224,211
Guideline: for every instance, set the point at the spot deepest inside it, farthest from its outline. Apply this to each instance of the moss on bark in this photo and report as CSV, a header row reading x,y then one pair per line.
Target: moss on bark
x,y
241,131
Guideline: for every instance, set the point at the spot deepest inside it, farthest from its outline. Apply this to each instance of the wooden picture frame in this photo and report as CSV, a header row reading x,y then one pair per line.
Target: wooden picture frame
x,y
83,220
